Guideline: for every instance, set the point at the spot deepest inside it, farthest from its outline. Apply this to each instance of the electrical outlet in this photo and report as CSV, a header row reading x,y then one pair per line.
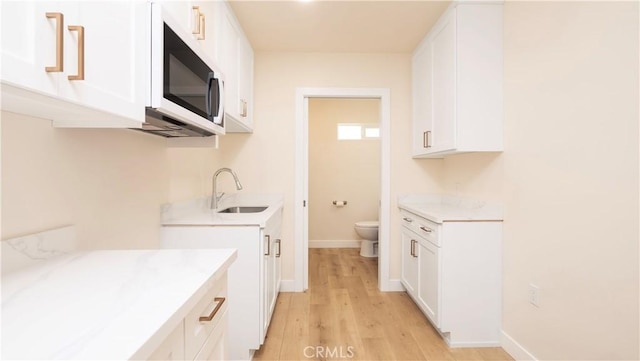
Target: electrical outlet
x,y
534,295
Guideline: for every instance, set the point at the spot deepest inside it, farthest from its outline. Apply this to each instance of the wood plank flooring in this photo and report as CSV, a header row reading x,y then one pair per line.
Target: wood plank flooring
x,y
343,316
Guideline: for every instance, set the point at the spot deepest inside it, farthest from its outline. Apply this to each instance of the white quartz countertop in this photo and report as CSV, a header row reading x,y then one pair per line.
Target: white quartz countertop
x,y
198,212
444,208
114,305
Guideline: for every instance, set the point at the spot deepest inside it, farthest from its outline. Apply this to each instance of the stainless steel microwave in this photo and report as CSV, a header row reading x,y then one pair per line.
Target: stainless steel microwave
x,y
185,97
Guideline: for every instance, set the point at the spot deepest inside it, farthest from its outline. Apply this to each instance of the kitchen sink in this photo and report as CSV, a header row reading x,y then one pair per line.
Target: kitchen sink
x,y
243,209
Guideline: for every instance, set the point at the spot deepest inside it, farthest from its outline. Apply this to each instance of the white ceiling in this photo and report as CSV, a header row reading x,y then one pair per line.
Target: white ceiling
x,y
337,26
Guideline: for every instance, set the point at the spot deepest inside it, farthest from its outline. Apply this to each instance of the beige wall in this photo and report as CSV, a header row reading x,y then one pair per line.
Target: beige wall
x,y
568,178
340,170
265,159
110,183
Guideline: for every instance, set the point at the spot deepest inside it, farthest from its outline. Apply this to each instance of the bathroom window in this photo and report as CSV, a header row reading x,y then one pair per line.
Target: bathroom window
x,y
353,131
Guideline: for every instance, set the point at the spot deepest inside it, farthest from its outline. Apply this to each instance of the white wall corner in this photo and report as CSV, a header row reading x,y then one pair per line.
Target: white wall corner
x,y
514,349
288,286
394,285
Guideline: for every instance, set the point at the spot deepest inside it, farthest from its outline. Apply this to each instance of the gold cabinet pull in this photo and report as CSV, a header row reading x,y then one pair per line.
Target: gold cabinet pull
x,y
59,17
201,26
243,112
268,245
80,30
425,139
199,23
220,301
278,241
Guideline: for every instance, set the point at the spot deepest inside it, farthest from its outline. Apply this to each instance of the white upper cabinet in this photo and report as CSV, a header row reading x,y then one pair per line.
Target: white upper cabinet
x,y
197,18
80,64
457,75
235,56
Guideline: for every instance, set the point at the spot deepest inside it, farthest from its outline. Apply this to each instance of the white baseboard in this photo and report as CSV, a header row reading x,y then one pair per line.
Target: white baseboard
x,y
514,349
349,243
287,286
394,286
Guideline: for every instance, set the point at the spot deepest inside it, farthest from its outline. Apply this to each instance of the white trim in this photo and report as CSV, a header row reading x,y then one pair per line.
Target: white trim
x,y
395,285
287,286
514,349
301,266
334,243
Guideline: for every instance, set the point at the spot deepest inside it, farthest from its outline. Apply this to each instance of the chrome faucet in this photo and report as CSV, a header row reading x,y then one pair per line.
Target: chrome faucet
x,y
214,194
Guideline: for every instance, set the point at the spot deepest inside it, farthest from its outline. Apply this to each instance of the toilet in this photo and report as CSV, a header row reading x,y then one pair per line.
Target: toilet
x,y
368,231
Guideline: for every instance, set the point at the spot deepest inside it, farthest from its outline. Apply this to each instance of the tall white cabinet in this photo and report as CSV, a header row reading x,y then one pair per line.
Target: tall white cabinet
x,y
457,83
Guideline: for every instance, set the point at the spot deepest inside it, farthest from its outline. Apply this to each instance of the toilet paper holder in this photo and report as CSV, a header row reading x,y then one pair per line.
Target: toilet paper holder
x,y
342,203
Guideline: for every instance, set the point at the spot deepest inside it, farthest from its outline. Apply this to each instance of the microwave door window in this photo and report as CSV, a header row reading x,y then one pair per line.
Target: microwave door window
x,y
185,75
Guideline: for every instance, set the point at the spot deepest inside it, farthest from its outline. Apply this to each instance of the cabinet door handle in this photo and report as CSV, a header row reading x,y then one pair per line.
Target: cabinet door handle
x,y
243,111
201,26
196,20
426,139
268,245
413,247
59,17
426,229
278,241
220,301
407,219
80,30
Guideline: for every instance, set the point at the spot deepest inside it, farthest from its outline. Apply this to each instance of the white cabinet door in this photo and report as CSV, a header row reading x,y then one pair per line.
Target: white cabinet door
x,y
203,25
172,348
215,347
269,286
29,44
429,280
236,60
114,57
245,85
409,262
181,11
422,97
443,134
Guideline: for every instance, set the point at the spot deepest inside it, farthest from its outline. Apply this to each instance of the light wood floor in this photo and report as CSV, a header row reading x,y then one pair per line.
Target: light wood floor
x,y
344,316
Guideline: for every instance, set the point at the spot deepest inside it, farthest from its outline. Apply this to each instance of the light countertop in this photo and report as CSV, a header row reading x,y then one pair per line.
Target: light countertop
x,y
198,212
444,208
115,305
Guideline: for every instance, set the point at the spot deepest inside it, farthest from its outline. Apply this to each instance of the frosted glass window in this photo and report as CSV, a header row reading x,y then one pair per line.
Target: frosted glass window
x,y
349,132
372,132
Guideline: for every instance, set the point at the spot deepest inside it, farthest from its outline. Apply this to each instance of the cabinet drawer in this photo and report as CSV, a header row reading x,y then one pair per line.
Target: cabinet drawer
x,y
197,325
215,347
428,229
172,348
423,227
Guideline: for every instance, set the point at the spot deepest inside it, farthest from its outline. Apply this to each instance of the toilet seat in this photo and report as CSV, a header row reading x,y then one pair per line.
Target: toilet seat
x,y
367,224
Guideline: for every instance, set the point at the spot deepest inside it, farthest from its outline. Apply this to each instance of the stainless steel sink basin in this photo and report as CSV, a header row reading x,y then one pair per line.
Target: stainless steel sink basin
x,y
243,209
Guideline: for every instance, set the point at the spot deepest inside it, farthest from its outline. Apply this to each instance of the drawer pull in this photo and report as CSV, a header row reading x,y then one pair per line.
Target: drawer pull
x,y
220,301
407,219
426,229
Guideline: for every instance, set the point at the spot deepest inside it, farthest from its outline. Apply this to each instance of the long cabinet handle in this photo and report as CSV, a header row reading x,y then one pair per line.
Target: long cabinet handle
x,y
196,20
201,22
220,301
268,245
428,230
412,247
279,242
80,30
426,139
59,17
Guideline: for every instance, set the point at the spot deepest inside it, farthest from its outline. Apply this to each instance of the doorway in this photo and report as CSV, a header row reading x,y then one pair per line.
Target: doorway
x,y
301,211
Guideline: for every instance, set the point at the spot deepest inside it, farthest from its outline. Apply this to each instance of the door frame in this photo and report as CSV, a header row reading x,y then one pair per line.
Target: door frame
x,y
301,216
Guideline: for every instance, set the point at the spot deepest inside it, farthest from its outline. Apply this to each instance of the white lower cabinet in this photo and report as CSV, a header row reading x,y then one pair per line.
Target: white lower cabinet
x,y
453,272
202,334
254,278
